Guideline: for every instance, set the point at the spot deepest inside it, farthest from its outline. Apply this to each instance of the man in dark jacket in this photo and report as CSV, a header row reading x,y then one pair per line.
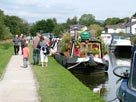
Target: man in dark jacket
x,y
16,42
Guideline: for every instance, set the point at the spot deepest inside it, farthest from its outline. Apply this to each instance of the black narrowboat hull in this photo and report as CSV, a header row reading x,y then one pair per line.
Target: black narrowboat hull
x,y
87,62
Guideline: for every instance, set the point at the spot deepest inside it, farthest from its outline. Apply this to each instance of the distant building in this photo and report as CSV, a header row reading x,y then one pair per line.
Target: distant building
x,y
131,28
127,28
115,28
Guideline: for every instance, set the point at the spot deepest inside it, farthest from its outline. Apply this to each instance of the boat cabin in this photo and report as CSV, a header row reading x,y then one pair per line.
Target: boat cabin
x,y
86,46
82,47
90,47
127,90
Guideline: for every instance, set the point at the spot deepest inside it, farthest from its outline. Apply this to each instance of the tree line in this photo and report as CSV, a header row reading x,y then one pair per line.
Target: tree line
x,y
11,25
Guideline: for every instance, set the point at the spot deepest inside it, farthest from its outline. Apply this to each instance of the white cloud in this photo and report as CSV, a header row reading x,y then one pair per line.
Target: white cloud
x,y
33,10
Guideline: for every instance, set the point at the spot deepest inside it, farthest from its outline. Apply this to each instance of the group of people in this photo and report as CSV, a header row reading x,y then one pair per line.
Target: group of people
x,y
40,49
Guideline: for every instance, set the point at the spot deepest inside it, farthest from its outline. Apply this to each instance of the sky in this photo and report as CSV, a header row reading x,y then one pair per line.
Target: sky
x,y
34,10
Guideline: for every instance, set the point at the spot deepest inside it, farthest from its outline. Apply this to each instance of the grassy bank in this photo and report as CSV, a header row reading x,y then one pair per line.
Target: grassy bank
x,y
59,85
6,50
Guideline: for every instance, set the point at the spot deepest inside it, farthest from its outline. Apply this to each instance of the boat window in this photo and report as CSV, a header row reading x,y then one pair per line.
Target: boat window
x,y
132,81
121,37
115,37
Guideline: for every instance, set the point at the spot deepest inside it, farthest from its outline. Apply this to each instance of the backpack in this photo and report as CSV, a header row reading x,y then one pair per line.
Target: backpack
x,y
46,50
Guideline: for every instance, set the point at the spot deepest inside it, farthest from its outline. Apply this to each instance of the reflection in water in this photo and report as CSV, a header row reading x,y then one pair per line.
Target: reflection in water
x,y
91,79
118,60
96,81
105,83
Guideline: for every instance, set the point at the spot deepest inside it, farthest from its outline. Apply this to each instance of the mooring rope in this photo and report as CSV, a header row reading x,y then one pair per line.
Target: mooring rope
x,y
77,64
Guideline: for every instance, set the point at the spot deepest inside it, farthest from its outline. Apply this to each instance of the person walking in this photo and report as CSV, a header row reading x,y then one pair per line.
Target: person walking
x,y
36,50
16,42
23,41
26,55
43,52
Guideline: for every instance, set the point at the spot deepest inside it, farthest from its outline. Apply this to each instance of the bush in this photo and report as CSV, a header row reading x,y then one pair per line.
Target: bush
x,y
63,47
133,40
4,32
66,38
95,51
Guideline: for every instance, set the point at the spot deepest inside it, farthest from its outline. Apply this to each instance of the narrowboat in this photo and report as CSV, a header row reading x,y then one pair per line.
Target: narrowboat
x,y
120,44
117,44
82,51
127,90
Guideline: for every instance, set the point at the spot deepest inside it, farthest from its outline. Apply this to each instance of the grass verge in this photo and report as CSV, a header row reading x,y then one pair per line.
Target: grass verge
x,y
5,54
58,85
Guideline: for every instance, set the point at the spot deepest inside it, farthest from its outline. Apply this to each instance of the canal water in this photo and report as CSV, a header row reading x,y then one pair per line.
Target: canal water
x,y
105,83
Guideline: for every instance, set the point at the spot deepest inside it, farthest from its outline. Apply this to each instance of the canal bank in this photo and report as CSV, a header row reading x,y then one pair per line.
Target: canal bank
x,y
57,84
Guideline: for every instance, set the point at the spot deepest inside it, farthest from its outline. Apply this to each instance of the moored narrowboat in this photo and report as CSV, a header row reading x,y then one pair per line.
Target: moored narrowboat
x,y
83,52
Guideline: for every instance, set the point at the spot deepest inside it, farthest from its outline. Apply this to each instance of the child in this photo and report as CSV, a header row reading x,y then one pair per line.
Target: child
x,y
25,55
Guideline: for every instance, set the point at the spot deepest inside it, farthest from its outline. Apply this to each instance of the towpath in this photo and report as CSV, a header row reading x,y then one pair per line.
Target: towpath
x,y
18,83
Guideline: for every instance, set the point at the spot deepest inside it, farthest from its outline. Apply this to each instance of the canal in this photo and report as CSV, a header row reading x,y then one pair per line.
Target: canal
x,y
105,83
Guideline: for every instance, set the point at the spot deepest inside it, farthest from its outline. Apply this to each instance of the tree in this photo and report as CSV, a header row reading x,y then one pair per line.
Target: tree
x,y
2,28
16,25
87,19
68,21
54,20
50,25
112,21
4,32
43,26
25,28
12,24
124,20
97,30
33,29
2,16
40,26
134,15
58,30
72,21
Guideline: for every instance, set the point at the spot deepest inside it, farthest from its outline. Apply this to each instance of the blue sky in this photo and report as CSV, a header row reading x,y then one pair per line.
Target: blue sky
x,y
34,10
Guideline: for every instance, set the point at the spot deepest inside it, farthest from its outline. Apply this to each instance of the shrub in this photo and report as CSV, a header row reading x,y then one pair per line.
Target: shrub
x,y
133,40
